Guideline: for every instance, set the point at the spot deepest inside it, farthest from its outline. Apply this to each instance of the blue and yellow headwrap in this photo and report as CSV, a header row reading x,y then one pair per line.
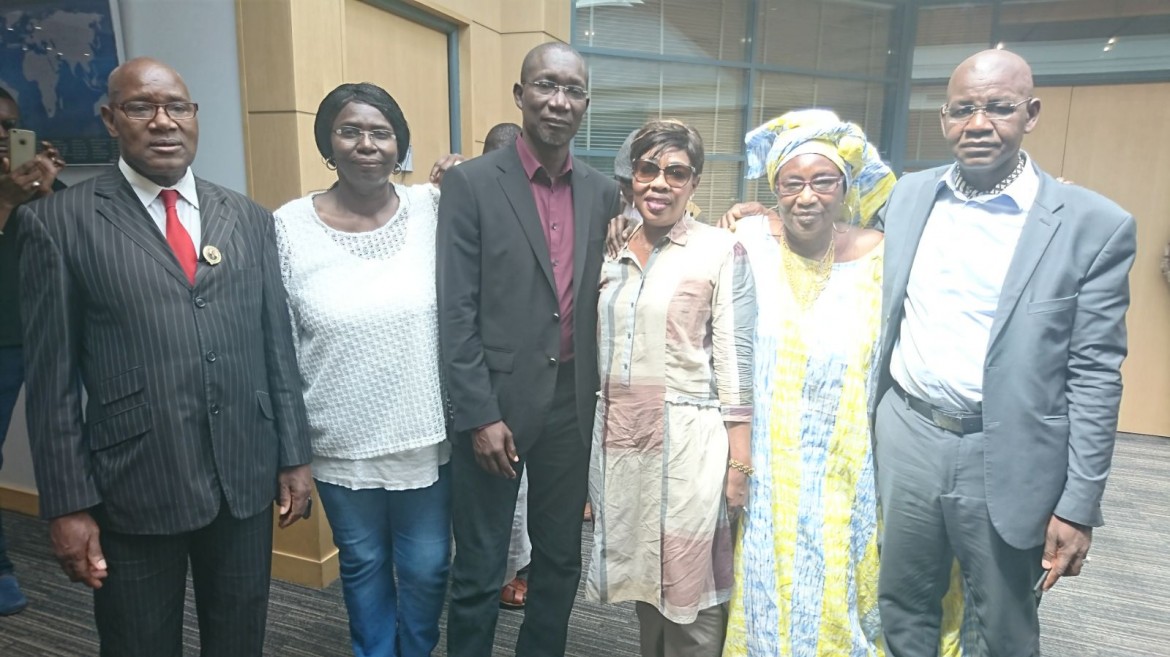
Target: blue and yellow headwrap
x,y
868,181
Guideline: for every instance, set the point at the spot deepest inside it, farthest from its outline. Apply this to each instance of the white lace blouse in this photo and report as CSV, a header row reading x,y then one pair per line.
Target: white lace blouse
x,y
365,325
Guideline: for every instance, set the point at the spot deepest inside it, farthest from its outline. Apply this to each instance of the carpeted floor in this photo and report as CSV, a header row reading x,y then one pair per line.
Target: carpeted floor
x,y
1120,607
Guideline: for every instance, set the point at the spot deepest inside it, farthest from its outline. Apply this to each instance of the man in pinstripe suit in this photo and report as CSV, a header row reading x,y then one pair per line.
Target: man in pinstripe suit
x,y
194,422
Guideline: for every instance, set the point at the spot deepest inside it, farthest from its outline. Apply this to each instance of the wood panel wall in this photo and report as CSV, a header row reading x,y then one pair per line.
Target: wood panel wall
x,y
1112,139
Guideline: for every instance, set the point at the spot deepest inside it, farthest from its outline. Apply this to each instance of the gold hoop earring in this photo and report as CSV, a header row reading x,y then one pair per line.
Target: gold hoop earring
x,y
330,164
397,169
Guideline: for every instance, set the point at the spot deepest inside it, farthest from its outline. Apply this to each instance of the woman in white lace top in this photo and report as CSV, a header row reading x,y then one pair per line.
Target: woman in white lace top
x,y
358,261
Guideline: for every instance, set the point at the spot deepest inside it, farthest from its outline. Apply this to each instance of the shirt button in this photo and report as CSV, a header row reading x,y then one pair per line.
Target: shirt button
x,y
214,409
552,362
211,356
200,302
556,262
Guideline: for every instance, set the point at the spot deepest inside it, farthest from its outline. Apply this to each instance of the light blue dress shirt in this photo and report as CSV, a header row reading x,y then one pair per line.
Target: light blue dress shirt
x,y
953,290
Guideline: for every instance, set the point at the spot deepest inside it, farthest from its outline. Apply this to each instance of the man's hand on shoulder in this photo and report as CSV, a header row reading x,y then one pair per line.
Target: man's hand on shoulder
x,y
617,233
494,450
76,545
296,485
1066,546
442,165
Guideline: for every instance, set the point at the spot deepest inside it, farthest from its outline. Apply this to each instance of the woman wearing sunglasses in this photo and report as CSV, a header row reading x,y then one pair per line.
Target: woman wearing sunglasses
x,y
671,457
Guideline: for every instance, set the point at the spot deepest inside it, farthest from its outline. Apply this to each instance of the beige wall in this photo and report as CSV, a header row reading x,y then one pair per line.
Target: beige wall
x,y
1111,139
293,52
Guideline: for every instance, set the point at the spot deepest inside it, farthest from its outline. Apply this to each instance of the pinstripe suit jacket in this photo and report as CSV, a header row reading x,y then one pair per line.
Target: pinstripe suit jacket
x,y
193,392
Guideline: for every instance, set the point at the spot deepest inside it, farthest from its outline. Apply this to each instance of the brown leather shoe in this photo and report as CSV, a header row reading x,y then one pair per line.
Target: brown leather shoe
x,y
514,593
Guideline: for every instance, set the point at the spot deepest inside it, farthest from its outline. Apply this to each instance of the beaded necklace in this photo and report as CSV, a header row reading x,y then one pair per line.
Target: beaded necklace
x,y
968,190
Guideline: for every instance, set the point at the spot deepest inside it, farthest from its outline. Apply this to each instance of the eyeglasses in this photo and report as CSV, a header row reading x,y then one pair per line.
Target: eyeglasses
x,y
351,134
676,175
143,111
548,89
822,185
993,111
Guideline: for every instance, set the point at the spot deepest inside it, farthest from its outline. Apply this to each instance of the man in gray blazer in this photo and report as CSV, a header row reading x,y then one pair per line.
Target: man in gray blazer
x,y
519,258
1004,302
194,422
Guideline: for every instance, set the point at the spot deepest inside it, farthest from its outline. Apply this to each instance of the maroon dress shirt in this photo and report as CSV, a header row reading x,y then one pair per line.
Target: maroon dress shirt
x,y
554,204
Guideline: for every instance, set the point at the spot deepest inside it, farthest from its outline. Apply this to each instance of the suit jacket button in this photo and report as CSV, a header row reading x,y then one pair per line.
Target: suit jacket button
x,y
211,356
552,362
200,302
214,409
556,317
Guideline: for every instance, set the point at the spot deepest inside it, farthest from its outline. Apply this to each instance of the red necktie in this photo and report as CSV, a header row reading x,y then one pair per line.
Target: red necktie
x,y
177,236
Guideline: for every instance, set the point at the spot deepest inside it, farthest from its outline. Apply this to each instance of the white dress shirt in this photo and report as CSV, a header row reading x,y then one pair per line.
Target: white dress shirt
x,y
187,206
953,291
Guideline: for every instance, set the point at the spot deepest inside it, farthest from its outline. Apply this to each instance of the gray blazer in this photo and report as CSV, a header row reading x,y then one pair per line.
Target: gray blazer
x,y
193,393
498,322
1052,381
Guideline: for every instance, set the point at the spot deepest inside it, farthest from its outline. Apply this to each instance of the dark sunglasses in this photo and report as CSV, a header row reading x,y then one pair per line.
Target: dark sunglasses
x,y
676,175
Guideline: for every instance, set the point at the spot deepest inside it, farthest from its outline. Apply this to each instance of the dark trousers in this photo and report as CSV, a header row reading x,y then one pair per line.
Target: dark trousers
x,y
139,608
934,507
11,379
558,469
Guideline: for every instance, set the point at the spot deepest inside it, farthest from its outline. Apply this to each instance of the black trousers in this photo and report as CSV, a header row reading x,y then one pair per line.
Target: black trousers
x,y
139,608
558,470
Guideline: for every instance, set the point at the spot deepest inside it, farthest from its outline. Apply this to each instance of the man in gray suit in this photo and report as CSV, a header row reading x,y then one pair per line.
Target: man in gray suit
x,y
519,260
1004,302
194,422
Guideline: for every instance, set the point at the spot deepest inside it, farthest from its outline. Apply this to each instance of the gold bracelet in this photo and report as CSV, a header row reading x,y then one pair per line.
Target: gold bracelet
x,y
744,468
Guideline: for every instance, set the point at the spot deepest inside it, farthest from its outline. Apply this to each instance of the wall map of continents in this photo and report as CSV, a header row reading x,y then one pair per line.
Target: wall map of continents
x,y
55,56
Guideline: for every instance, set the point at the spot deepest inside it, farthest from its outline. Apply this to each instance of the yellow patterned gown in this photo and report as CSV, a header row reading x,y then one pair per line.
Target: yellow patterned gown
x,y
806,564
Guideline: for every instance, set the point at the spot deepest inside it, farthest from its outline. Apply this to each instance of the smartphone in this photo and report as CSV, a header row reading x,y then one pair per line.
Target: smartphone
x,y
22,147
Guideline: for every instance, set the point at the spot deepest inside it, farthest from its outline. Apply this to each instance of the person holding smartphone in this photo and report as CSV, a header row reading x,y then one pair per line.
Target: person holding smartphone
x,y
20,182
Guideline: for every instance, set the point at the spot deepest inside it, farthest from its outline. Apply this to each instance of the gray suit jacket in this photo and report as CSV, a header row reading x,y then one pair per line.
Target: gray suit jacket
x,y
1052,381
194,393
498,322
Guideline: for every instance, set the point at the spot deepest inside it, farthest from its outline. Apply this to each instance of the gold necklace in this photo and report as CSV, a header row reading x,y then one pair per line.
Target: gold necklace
x,y
807,278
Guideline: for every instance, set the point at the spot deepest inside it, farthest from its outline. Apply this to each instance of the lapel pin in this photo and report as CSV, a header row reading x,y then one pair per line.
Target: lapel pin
x,y
212,255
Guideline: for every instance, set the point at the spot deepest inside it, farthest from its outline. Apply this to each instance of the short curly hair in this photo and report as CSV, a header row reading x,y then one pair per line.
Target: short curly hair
x,y
365,93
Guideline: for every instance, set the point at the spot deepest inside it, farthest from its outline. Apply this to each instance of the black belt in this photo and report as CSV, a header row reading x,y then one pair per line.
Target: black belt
x,y
960,423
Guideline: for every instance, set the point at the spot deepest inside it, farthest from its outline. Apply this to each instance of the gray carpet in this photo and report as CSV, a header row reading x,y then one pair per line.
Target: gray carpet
x,y
1120,607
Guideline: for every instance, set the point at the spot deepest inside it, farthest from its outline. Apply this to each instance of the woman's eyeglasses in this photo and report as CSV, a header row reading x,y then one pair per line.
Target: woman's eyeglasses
x,y
821,185
676,175
350,134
